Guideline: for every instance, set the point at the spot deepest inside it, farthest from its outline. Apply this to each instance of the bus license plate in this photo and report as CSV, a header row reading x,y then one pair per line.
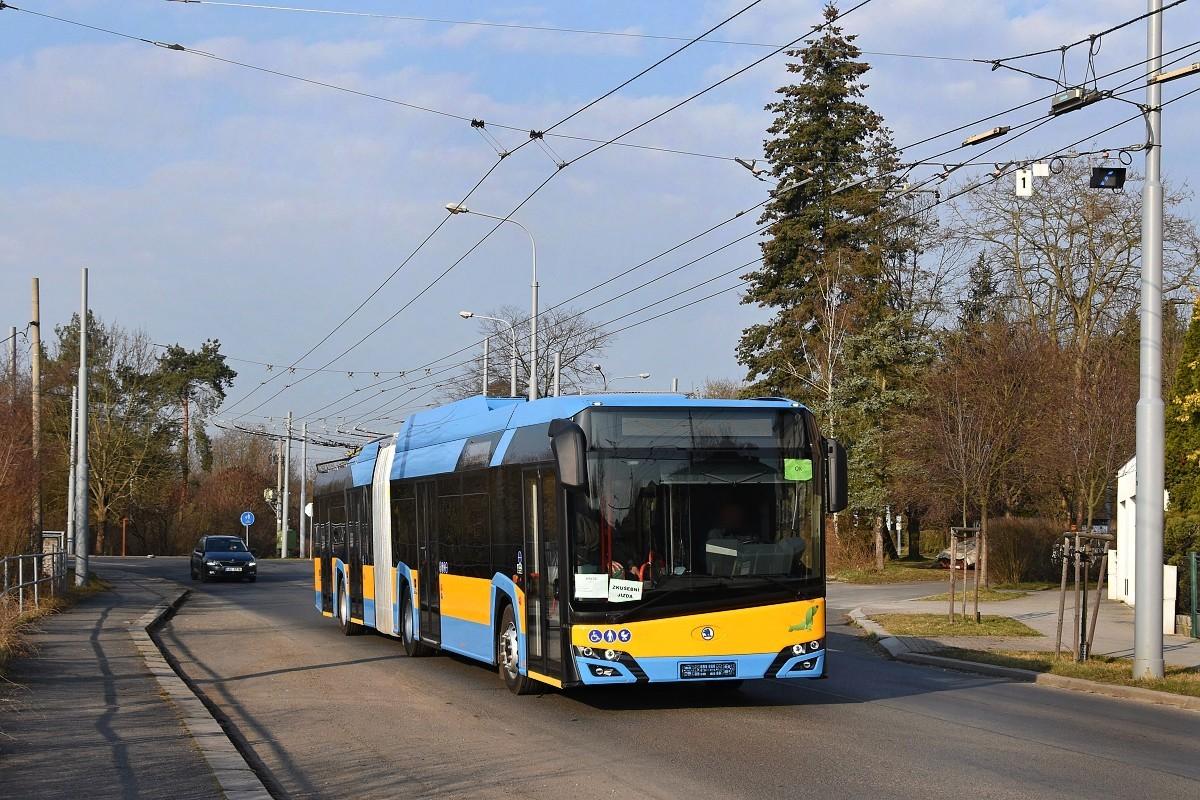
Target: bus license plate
x,y
708,669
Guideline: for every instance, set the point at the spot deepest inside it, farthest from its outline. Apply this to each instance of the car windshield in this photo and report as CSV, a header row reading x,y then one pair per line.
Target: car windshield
x,y
692,501
225,546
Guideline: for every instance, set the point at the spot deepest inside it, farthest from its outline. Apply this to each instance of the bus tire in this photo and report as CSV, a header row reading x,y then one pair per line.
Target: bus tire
x,y
508,655
343,612
413,647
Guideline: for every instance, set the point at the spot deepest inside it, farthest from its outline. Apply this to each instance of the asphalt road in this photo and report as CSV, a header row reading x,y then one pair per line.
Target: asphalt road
x,y
329,716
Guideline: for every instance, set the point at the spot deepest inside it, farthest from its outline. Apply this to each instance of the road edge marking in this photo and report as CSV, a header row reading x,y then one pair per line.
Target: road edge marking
x,y
899,651
237,779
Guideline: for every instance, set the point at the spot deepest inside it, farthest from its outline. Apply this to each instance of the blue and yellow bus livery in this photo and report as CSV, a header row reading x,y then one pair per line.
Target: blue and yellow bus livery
x,y
589,540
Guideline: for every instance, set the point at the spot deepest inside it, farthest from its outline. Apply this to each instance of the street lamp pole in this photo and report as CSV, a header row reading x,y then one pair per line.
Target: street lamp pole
x,y
459,208
512,360
1148,600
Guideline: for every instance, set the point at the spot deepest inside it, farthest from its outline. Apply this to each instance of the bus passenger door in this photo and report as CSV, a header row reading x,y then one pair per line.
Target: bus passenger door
x,y
428,566
354,532
543,609
325,558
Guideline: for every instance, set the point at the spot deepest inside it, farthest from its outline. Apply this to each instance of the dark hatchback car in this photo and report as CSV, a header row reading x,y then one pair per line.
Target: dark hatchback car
x,y
223,557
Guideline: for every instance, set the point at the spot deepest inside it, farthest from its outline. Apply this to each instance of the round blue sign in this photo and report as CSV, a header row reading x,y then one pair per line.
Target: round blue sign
x,y
247,518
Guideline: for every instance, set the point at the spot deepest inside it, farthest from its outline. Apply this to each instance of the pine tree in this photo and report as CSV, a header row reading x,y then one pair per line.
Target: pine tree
x,y
822,266
982,289
1182,526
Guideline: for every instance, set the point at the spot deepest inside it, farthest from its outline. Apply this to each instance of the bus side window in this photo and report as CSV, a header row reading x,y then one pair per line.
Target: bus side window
x,y
449,522
404,523
508,526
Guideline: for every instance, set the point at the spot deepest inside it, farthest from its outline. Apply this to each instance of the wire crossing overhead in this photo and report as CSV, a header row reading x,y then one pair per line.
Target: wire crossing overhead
x,y
540,28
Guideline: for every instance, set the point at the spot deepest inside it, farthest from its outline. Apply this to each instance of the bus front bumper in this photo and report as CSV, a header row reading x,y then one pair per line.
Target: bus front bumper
x,y
597,668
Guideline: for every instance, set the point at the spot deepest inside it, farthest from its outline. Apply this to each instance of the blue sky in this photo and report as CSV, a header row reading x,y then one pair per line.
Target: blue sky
x,y
212,201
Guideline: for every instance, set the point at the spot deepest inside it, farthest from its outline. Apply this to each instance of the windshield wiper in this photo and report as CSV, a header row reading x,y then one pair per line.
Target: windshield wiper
x,y
716,582
790,589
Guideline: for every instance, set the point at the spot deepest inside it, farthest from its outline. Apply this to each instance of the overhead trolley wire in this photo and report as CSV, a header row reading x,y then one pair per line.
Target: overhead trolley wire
x,y
540,28
595,149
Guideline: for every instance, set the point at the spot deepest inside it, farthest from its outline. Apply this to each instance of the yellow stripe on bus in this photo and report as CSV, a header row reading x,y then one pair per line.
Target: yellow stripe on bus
x,y
764,629
368,582
466,598
537,676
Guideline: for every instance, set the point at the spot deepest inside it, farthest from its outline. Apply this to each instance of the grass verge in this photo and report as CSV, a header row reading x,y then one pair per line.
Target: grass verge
x,y
935,625
985,595
14,627
1118,671
893,572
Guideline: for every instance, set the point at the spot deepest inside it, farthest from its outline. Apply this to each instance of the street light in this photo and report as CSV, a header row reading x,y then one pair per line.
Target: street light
x,y
641,375
512,362
459,208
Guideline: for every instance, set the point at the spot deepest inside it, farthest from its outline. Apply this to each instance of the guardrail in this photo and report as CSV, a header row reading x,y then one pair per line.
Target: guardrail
x,y
28,574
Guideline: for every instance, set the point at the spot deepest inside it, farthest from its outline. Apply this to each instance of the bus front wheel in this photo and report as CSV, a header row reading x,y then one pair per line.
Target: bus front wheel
x,y
508,655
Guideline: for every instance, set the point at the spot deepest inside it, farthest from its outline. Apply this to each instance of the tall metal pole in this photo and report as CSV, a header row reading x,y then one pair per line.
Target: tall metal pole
x,y
82,543
287,484
71,474
533,318
303,489
487,346
512,364
278,488
557,374
35,413
12,363
1148,561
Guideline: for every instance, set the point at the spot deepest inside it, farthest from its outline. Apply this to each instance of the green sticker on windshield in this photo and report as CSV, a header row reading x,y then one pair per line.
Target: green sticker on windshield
x,y
797,469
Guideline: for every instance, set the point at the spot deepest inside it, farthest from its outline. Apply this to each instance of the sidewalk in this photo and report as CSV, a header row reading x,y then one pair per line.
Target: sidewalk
x,y
84,716
1039,610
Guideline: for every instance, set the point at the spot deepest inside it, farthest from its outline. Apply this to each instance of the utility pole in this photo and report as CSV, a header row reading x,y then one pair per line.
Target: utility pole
x,y
557,374
278,488
12,362
303,488
487,343
82,545
1148,562
35,416
287,484
71,472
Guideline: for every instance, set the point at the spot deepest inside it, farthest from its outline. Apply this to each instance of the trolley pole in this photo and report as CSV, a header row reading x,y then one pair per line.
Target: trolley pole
x,y
1148,563
35,416
82,544
287,484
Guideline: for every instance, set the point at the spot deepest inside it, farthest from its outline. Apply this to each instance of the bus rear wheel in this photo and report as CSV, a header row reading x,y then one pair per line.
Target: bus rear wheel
x,y
348,628
508,655
413,646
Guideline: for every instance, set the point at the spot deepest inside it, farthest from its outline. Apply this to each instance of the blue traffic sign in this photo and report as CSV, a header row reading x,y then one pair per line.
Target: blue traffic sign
x,y
247,518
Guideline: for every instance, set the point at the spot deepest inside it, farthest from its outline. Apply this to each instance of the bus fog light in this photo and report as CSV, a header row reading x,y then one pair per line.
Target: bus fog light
x,y
587,652
807,665
815,645
610,655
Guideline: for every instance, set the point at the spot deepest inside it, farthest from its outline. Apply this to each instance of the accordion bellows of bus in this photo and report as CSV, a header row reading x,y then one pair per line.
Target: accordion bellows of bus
x,y
587,540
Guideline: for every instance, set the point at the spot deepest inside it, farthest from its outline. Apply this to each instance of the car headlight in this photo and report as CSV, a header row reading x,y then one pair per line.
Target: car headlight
x,y
213,563
252,564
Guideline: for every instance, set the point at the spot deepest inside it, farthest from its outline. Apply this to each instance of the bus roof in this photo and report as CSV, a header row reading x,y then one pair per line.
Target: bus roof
x,y
431,442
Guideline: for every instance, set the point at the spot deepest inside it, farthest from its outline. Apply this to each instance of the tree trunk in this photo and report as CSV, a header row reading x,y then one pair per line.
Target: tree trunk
x,y
878,543
981,558
101,528
914,533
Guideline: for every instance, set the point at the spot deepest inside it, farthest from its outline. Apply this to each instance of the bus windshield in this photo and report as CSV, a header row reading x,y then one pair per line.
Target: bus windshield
x,y
694,502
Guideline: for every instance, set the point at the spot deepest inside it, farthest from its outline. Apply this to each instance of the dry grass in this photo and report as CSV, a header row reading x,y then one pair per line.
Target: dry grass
x,y
893,572
1119,671
985,595
936,625
15,627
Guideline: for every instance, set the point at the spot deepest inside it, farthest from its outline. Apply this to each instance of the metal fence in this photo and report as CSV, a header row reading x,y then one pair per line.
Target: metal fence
x,y
26,579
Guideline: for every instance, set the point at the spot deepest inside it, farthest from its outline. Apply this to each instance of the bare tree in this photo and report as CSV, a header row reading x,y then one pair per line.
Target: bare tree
x,y
722,388
579,341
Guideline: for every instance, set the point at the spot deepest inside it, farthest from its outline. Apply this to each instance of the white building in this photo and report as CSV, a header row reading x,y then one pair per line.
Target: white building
x,y
1121,574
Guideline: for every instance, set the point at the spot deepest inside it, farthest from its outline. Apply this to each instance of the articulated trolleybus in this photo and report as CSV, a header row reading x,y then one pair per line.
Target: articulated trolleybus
x,y
589,540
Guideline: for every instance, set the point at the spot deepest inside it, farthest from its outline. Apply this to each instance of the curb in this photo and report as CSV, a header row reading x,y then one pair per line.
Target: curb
x,y
236,778
899,651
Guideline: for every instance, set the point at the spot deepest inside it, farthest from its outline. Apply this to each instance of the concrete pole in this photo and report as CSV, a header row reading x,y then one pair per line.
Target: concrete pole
x,y
674,384
12,363
71,474
557,374
487,347
82,544
287,484
1148,561
278,489
35,413
303,489
512,364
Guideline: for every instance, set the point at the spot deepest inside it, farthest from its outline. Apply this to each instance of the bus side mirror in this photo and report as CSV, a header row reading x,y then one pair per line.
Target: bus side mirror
x,y
569,446
836,477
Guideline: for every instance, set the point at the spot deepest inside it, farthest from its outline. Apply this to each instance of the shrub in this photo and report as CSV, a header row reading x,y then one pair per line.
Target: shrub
x,y
1019,549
